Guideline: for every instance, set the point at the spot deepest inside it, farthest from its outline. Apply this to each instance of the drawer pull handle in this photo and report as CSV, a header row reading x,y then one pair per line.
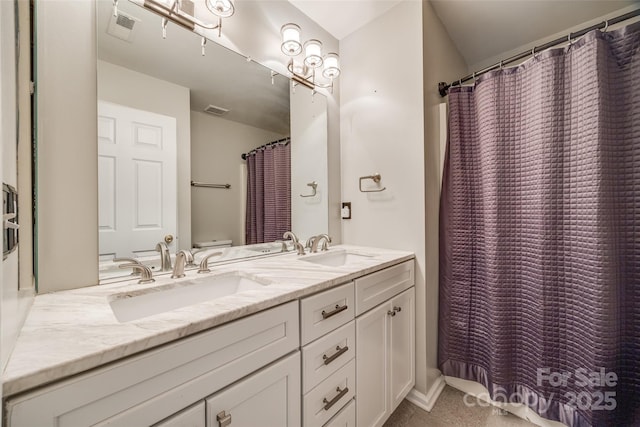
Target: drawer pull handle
x,y
337,310
334,356
329,403
224,419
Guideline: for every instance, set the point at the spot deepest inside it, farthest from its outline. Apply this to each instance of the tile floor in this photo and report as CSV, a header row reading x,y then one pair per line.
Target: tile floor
x,y
451,411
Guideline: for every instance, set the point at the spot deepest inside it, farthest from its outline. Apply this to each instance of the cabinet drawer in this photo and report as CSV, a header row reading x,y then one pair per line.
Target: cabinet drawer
x,y
324,401
190,417
326,355
149,387
345,418
376,288
324,312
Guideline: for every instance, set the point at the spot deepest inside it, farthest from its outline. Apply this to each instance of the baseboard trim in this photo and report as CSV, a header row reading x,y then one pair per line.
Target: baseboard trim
x,y
427,401
480,392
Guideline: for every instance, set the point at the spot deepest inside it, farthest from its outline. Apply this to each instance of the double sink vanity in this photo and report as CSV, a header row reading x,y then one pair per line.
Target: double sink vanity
x,y
323,339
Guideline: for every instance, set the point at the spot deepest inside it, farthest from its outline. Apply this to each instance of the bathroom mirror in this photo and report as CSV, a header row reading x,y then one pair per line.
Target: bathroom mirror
x,y
155,91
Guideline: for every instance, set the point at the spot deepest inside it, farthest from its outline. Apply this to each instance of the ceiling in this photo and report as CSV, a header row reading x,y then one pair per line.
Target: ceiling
x,y
483,29
222,77
480,29
340,17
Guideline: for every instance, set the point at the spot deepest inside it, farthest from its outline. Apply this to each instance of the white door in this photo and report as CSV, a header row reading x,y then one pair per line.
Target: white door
x,y
268,398
136,179
402,346
372,367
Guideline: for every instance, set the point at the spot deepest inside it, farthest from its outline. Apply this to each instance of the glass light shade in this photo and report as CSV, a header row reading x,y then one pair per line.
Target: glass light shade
x,y
313,53
290,39
331,66
221,8
298,68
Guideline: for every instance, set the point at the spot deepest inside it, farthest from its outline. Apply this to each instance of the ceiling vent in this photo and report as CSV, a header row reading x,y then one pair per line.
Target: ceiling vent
x,y
123,26
216,111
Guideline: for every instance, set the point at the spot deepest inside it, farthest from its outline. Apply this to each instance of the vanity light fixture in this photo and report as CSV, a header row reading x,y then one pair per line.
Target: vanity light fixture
x,y
183,13
304,70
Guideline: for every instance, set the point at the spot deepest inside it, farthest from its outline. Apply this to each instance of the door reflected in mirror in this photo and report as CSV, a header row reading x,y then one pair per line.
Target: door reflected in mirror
x,y
169,116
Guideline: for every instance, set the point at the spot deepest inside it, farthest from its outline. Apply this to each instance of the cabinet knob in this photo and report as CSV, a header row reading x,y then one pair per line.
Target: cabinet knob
x,y
397,309
391,313
224,419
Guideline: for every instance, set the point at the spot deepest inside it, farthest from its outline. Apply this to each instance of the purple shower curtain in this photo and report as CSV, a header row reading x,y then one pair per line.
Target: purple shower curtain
x,y
268,194
540,233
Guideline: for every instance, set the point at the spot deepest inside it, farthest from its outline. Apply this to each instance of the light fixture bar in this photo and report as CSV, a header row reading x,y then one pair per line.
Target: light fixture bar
x,y
303,81
223,8
166,12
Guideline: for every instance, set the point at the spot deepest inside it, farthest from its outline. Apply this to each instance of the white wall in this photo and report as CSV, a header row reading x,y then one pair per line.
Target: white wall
x,y
309,215
15,301
382,130
6,112
67,206
136,90
216,146
67,50
389,124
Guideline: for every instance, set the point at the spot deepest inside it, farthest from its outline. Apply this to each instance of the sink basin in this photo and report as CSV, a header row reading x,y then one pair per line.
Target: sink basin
x,y
336,258
130,306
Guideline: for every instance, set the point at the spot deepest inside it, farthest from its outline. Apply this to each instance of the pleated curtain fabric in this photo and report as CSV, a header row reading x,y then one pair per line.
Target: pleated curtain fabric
x,y
540,232
268,194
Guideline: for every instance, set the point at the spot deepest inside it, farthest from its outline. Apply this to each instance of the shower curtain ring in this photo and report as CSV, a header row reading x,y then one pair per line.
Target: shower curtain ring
x,y
569,39
501,64
474,77
606,26
533,53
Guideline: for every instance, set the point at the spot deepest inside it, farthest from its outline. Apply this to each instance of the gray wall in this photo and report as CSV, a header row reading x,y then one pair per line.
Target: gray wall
x,y
216,146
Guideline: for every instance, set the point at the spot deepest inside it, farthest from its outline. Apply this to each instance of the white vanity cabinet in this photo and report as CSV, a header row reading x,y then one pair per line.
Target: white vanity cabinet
x,y
156,386
385,357
341,357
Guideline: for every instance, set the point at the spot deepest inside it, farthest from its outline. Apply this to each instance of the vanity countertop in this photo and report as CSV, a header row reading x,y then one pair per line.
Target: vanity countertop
x,y
73,331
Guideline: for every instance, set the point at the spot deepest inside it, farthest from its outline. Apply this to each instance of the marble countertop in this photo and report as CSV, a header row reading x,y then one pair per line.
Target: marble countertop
x,y
73,331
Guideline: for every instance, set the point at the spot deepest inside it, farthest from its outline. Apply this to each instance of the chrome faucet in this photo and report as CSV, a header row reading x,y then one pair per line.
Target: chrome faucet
x,y
183,258
324,238
165,256
289,234
284,245
145,272
299,247
309,242
204,264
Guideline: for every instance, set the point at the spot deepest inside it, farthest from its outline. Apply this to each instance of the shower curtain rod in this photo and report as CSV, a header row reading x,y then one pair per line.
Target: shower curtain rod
x,y
283,141
443,87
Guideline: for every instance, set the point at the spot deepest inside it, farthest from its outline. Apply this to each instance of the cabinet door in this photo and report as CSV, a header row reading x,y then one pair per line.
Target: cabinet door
x,y
193,416
372,367
270,397
402,346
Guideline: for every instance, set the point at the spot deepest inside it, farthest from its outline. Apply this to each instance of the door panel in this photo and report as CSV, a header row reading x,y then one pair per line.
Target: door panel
x,y
136,179
372,367
402,346
270,397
